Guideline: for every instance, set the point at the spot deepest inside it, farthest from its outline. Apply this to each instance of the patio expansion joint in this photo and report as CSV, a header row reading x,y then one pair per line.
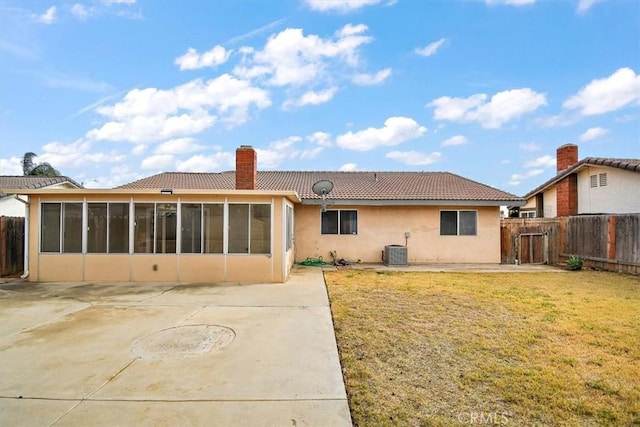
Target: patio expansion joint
x,y
88,397
189,317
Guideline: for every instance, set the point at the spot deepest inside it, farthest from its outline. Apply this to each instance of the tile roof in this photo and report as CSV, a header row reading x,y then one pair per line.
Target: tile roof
x,y
371,186
34,181
632,165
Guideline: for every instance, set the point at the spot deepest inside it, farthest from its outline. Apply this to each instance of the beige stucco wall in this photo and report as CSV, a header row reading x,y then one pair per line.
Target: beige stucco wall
x,y
235,268
550,197
620,195
386,225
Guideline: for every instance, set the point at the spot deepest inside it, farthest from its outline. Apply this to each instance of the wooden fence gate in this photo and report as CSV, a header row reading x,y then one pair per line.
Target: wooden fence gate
x,y
529,241
533,248
11,245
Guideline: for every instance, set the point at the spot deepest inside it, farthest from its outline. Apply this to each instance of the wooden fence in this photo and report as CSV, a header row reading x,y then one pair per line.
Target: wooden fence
x,y
11,245
530,240
608,242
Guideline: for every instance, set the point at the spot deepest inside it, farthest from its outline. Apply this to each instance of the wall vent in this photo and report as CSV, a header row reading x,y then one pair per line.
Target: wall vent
x,y
395,255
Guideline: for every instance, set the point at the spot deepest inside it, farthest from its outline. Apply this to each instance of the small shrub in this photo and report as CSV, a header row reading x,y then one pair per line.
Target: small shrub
x,y
575,262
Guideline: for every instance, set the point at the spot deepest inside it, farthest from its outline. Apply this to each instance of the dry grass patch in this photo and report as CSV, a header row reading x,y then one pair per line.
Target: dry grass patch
x,y
532,348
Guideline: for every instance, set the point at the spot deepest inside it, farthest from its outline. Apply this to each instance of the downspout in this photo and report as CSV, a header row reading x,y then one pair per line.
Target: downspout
x,y
25,274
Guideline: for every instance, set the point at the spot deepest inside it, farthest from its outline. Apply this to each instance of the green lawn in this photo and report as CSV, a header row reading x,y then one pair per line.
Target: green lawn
x,y
517,349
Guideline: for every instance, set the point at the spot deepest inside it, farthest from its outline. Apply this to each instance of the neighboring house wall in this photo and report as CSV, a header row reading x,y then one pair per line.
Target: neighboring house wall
x,y
619,192
386,225
550,197
170,267
9,206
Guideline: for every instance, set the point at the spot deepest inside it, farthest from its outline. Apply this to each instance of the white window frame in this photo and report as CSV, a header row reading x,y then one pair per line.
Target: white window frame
x,y
458,222
339,211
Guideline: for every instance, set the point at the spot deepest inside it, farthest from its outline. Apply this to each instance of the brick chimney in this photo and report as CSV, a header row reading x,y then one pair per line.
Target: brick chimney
x,y
246,168
566,155
567,188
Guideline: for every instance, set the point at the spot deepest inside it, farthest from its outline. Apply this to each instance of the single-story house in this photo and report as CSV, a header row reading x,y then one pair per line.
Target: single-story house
x,y
14,204
251,226
593,185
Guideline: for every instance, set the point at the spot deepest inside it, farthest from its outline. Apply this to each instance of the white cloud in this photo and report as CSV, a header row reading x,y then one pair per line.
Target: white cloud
x,y
80,11
608,94
530,146
396,130
348,167
593,133
454,140
544,162
323,139
503,107
371,79
291,148
291,58
147,115
142,129
158,162
178,146
311,98
510,2
431,48
342,6
212,163
305,62
117,175
285,144
192,60
517,178
351,30
76,154
139,149
558,120
11,166
585,5
414,158
48,17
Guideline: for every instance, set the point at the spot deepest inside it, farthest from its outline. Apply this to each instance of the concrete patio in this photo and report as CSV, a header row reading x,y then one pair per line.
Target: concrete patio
x,y
150,354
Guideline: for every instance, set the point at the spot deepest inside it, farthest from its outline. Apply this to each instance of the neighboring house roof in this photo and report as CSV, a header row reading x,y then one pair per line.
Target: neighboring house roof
x,y
356,187
632,165
34,181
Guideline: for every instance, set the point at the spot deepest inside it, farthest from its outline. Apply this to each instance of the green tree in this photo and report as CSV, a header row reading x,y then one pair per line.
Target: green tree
x,y
29,167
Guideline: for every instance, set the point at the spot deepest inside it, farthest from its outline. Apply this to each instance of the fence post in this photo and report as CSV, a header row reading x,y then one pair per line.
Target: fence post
x,y
611,237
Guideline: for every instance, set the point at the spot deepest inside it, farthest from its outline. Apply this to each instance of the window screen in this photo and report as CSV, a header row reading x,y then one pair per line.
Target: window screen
x,y
339,222
458,223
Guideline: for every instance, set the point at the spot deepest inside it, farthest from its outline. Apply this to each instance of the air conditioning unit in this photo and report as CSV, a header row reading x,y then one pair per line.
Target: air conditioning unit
x,y
395,255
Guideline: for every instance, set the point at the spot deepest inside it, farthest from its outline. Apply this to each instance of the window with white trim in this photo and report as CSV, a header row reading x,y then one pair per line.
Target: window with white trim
x,y
458,223
593,179
202,228
249,228
339,222
61,227
155,228
289,226
107,228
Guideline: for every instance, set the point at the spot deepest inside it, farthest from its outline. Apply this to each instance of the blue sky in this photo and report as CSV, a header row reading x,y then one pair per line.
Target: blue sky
x,y
110,91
